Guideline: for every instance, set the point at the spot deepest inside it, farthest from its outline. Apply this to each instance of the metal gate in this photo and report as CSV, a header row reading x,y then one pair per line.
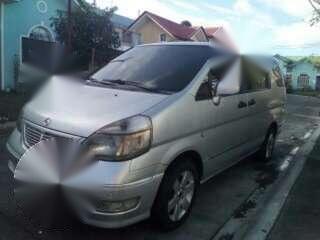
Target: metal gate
x,y
42,54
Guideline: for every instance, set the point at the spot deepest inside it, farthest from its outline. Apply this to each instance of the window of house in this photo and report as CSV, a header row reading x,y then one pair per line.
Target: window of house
x,y
303,80
127,37
163,37
119,34
318,83
137,38
41,33
253,78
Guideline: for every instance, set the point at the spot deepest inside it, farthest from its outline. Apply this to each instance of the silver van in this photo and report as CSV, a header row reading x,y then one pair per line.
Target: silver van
x,y
159,120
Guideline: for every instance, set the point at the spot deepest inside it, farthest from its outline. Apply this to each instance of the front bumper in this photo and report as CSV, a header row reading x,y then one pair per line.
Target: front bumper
x,y
145,190
103,181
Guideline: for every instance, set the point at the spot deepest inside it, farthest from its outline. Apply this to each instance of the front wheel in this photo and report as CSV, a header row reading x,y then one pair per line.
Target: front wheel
x,y
176,195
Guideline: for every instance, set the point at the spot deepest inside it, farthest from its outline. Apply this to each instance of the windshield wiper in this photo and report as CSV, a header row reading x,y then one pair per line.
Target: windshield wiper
x,y
132,83
90,80
115,82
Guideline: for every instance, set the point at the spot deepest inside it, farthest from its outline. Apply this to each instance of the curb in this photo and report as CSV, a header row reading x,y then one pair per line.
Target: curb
x,y
263,205
275,198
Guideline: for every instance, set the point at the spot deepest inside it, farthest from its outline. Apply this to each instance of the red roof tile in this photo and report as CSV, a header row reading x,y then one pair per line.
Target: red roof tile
x,y
177,30
185,33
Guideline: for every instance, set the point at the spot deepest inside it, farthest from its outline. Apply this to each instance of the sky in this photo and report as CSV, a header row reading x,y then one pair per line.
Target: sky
x,y
256,26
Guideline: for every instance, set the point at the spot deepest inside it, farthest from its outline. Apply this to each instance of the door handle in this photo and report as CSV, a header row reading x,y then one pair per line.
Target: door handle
x,y
252,102
242,104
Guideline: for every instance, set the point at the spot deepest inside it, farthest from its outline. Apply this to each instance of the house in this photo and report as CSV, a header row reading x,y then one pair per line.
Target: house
x,y
24,19
303,73
151,28
127,38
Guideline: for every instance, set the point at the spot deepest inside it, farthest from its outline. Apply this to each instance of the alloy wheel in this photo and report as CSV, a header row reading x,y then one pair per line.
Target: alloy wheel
x,y
270,146
182,194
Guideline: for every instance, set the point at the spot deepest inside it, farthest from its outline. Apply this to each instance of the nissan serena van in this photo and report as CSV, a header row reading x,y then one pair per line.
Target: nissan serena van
x,y
158,120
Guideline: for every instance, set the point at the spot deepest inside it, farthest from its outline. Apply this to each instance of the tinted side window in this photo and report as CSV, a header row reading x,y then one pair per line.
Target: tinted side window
x,y
253,77
215,75
204,92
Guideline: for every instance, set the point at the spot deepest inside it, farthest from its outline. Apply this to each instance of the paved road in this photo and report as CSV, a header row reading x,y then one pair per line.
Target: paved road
x,y
299,218
219,200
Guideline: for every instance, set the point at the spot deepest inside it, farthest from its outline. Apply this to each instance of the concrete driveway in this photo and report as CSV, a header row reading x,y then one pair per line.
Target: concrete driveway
x,y
223,201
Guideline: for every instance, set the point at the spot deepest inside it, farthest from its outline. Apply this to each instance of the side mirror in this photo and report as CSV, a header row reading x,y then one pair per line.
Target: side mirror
x,y
230,84
216,100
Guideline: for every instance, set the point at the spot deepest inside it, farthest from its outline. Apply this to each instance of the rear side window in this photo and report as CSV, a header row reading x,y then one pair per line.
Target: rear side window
x,y
253,77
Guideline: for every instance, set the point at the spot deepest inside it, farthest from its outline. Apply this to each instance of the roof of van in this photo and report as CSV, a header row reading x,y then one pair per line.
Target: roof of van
x,y
189,43
264,61
184,43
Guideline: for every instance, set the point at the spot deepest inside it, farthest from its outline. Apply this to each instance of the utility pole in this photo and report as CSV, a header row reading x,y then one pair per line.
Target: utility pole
x,y
69,47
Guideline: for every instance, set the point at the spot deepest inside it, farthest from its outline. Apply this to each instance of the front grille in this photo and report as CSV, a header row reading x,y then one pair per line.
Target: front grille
x,y
34,135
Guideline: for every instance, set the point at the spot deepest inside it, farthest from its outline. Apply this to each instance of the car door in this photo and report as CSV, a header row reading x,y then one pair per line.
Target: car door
x,y
226,131
259,97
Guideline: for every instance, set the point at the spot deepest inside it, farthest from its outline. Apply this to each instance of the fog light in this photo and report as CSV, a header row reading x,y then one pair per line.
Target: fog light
x,y
117,206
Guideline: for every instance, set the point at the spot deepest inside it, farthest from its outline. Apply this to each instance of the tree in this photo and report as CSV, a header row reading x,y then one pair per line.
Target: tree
x,y
92,33
186,23
316,15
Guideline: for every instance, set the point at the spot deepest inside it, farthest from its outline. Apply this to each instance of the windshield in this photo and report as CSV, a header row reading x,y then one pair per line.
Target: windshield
x,y
167,68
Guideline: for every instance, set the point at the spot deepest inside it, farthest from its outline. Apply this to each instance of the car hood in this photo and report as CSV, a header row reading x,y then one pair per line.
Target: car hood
x,y
80,109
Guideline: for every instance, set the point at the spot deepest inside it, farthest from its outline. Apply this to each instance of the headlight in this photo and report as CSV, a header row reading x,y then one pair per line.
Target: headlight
x,y
122,140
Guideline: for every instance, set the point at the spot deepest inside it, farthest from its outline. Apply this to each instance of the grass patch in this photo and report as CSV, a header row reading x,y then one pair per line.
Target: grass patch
x,y
10,105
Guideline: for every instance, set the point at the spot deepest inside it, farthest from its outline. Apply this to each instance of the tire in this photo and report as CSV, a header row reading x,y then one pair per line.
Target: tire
x,y
180,195
266,151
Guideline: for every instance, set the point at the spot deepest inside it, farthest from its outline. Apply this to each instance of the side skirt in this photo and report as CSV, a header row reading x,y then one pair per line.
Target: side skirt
x,y
236,162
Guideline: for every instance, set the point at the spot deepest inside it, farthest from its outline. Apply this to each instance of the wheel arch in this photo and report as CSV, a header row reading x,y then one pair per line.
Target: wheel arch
x,y
193,155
